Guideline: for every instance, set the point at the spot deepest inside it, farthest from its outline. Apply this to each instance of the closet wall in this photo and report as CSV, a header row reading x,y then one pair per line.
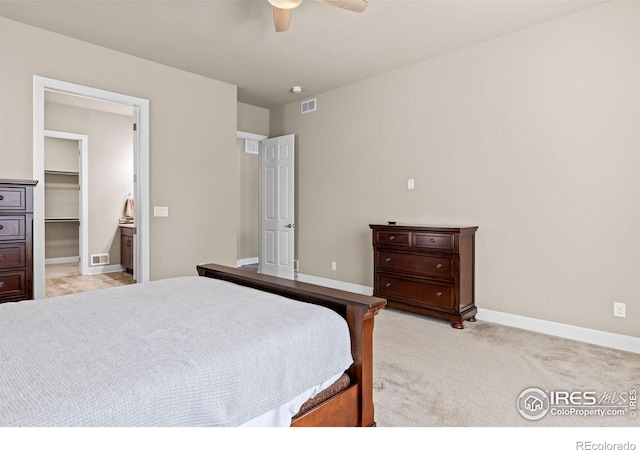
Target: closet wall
x,y
110,171
255,120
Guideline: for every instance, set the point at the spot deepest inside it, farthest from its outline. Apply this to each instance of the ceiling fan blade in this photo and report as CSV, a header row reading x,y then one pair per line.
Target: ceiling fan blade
x,y
281,18
351,5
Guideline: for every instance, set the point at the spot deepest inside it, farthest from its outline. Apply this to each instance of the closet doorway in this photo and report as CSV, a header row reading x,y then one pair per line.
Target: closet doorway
x,y
66,202
85,206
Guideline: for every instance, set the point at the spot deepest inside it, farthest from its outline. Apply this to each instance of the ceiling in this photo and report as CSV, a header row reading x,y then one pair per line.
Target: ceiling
x,y
326,47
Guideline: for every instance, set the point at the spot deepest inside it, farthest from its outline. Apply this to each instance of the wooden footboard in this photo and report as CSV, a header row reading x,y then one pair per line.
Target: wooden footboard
x,y
353,406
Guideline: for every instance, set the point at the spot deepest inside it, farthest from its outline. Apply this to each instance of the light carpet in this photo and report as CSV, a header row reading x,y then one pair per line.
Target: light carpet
x,y
427,374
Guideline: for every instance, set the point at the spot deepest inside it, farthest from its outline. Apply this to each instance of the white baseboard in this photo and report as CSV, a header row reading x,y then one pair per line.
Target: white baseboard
x,y
65,260
246,261
96,270
596,337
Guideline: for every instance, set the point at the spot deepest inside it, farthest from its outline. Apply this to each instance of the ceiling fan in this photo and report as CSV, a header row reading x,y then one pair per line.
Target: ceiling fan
x,y
282,9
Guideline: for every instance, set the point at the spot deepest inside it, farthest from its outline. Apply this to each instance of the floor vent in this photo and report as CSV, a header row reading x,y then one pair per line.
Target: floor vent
x,y
308,106
100,260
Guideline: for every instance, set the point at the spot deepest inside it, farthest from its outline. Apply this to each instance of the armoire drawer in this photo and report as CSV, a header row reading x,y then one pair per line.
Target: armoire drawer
x,y
13,256
433,241
393,238
13,284
430,266
13,199
12,228
418,292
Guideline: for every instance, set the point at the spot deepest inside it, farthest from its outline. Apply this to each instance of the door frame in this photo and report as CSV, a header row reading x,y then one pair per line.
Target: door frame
x,y
141,172
83,147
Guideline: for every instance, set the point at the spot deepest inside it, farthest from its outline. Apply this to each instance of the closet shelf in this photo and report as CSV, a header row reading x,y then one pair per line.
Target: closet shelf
x,y
61,219
61,172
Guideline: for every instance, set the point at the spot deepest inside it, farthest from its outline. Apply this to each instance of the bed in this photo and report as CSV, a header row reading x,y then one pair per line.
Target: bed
x,y
228,347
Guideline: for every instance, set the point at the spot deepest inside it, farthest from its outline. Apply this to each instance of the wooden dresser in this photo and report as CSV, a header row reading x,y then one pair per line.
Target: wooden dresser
x,y
16,240
426,270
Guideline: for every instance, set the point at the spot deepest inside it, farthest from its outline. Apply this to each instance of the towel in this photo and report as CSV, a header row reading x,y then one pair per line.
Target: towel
x,y
128,207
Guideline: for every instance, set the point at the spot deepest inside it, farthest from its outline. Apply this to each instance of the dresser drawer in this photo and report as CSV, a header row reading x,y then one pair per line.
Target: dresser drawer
x,y
13,256
13,199
392,238
433,241
13,284
430,266
12,228
417,292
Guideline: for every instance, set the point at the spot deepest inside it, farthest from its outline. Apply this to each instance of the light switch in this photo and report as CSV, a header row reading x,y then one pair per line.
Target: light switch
x,y
411,183
161,211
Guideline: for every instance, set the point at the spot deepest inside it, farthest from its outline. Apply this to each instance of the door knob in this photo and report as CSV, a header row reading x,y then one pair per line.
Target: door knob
x,y
290,225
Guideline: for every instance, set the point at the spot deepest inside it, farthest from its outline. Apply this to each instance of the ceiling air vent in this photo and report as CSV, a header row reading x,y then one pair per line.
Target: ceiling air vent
x,y
308,106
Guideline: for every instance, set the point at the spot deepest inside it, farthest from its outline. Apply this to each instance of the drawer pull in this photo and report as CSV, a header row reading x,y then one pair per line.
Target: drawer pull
x,y
438,266
1,256
388,285
387,260
432,240
438,294
1,284
392,238
1,227
1,197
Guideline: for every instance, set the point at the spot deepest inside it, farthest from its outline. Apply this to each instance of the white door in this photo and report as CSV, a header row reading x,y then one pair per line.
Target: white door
x,y
277,206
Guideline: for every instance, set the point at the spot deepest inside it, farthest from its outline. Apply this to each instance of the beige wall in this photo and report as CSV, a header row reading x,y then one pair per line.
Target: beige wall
x,y
192,138
534,137
253,119
110,170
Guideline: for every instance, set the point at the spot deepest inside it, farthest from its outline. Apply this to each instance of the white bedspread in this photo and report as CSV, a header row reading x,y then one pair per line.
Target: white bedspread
x,y
190,351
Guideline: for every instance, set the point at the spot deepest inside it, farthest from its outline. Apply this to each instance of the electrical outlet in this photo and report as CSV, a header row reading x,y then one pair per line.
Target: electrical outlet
x,y
334,266
296,265
619,309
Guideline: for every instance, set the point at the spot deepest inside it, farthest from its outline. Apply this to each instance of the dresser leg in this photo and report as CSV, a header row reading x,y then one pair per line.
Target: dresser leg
x,y
458,325
472,319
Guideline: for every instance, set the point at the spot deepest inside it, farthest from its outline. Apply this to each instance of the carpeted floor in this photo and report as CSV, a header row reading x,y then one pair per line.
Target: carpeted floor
x,y
427,374
62,279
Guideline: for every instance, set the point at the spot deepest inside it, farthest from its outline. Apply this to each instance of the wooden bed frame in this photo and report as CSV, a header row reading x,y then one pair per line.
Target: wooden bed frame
x,y
352,407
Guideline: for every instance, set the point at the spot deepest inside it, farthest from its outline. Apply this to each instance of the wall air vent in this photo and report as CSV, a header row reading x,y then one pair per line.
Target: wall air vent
x,y
100,260
251,146
308,106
